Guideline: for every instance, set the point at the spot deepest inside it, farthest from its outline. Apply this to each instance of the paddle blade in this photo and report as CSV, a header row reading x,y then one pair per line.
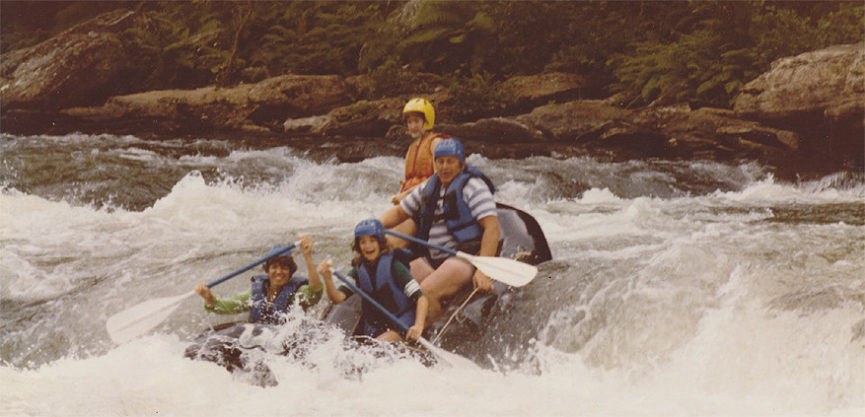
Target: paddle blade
x,y
508,271
139,319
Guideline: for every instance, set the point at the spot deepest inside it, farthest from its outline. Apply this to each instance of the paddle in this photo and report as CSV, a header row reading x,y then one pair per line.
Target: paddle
x,y
449,358
508,271
141,318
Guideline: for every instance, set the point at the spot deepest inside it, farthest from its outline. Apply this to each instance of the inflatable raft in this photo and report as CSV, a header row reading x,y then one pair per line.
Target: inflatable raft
x,y
235,345
520,238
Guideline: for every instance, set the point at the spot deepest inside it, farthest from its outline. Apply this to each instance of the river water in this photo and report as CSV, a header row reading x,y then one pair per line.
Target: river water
x,y
686,288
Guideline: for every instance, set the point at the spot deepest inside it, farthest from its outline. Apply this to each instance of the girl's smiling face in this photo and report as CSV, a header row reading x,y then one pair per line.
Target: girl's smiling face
x,y
369,247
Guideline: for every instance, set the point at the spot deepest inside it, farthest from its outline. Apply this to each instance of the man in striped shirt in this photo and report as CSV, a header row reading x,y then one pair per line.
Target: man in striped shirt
x,y
454,208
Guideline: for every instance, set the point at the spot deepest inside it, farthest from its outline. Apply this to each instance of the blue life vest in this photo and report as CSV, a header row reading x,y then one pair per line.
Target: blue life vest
x,y
382,288
259,311
457,214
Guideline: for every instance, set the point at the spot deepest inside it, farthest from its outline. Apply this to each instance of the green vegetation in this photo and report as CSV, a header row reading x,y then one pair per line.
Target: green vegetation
x,y
699,52
478,94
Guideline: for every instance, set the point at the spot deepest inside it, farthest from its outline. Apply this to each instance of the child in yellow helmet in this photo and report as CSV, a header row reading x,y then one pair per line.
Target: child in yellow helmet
x,y
419,117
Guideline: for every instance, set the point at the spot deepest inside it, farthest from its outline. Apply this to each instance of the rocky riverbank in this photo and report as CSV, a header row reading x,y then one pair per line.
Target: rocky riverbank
x,y
804,116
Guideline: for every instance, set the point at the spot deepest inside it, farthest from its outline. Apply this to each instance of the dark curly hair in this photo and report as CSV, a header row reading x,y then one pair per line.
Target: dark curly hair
x,y
287,261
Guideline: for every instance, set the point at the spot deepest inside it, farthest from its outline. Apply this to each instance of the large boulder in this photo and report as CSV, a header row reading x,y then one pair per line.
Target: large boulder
x,y
532,90
670,132
370,118
818,83
498,130
572,121
716,134
259,107
821,96
81,66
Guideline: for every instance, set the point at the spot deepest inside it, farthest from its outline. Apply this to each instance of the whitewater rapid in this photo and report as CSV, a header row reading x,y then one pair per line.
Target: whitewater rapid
x,y
676,288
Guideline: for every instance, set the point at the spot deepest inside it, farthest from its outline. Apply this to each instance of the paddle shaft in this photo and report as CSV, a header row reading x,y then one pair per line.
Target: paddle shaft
x,y
449,358
372,301
422,242
218,281
139,319
508,271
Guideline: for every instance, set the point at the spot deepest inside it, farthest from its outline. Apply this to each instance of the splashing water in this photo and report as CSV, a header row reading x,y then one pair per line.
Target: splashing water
x,y
689,288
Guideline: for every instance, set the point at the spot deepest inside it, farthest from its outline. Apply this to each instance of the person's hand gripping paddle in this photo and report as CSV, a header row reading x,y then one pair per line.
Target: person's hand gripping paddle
x,y
449,358
505,270
141,318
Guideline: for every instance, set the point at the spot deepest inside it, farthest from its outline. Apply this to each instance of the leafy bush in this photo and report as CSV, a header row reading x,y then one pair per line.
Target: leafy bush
x,y
700,68
728,45
390,79
319,37
448,36
700,52
844,25
477,95
183,47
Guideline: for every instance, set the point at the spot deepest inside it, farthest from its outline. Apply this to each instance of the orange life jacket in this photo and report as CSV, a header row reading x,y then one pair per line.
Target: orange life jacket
x,y
419,161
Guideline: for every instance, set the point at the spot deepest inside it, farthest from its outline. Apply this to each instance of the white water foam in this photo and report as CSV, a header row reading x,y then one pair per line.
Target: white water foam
x,y
695,310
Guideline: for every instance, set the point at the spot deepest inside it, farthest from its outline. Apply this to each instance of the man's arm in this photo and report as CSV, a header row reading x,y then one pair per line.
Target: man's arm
x,y
489,246
393,216
490,238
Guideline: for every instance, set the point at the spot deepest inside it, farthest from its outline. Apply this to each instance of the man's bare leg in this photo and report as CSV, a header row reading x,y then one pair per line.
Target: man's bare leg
x,y
445,281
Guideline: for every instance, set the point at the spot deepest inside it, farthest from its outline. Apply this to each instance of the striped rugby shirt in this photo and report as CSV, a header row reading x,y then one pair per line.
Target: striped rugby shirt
x,y
476,194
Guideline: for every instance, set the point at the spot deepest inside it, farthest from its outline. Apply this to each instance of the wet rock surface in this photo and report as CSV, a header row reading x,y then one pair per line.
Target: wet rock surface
x,y
804,115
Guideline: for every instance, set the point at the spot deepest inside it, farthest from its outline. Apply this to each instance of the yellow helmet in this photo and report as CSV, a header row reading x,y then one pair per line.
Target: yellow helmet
x,y
424,107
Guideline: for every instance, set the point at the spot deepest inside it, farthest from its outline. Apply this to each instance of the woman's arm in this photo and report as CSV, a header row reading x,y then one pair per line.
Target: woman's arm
x,y
204,292
336,296
306,249
232,305
308,296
